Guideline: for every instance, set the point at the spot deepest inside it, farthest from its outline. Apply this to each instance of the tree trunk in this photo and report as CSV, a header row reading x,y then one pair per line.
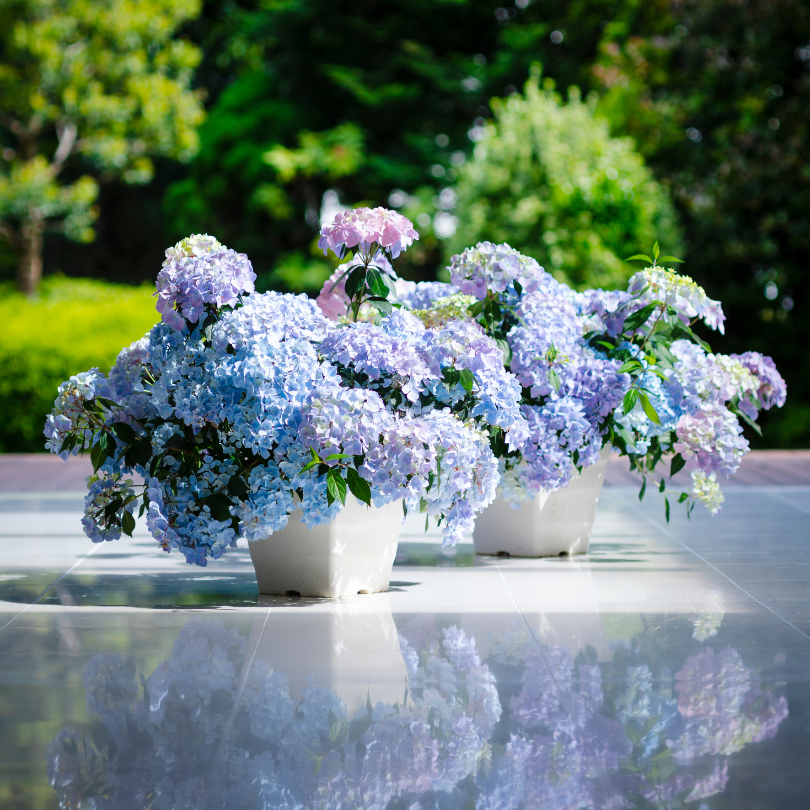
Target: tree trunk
x,y
29,269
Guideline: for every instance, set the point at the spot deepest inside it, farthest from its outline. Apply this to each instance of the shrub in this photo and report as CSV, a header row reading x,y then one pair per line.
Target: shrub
x,y
548,178
71,326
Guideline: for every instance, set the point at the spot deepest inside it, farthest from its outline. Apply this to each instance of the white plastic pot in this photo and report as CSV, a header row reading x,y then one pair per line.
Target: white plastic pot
x,y
554,523
352,554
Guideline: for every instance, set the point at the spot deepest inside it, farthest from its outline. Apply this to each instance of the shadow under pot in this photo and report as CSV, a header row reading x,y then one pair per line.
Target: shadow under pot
x,y
552,524
352,554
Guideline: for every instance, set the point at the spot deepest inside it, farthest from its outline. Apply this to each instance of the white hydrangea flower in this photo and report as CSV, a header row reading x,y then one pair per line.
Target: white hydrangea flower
x,y
706,489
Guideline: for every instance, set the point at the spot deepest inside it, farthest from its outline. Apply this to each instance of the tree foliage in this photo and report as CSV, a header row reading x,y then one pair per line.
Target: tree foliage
x,y
88,88
716,94
548,178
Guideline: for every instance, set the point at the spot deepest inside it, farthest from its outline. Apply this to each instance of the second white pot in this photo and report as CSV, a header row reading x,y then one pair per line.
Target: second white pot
x,y
352,554
554,523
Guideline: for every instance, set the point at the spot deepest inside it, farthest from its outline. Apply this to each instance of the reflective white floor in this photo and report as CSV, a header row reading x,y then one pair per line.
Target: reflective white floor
x,y
668,668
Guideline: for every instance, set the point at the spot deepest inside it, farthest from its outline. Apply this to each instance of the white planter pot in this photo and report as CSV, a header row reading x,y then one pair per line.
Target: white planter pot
x,y
352,554
350,647
554,523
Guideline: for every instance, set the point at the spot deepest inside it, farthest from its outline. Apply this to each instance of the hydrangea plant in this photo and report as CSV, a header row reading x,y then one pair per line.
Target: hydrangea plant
x,y
607,367
239,408
684,401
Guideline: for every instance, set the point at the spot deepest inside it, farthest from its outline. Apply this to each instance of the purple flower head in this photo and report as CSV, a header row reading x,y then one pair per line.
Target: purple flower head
x,y
422,294
772,389
657,284
487,267
199,271
711,440
364,227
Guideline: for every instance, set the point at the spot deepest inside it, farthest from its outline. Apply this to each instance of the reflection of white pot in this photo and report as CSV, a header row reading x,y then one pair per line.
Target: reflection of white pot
x,y
352,554
350,647
553,523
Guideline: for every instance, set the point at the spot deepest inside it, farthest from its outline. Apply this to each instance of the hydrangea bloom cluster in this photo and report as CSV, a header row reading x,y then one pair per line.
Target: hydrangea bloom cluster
x,y
200,273
683,399
493,268
364,227
569,390
771,390
659,285
422,294
223,423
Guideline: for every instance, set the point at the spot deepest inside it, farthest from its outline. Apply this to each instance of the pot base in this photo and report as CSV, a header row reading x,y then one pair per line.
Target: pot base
x,y
553,524
352,554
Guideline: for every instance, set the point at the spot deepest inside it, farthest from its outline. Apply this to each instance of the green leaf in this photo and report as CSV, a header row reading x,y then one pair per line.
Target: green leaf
x,y
97,455
504,346
335,486
376,284
127,523
124,432
355,282
382,306
338,732
219,505
639,257
476,309
554,379
630,365
642,490
451,375
666,508
662,486
648,408
671,259
336,456
682,497
630,399
359,486
467,379
640,317
238,487
676,465
656,251
359,727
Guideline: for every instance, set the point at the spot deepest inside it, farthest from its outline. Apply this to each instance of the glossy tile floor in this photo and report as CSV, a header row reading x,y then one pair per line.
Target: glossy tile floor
x,y
668,668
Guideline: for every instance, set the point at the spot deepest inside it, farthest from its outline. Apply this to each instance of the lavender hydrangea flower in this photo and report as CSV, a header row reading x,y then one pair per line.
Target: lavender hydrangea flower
x,y
199,271
657,284
487,267
711,440
364,227
771,390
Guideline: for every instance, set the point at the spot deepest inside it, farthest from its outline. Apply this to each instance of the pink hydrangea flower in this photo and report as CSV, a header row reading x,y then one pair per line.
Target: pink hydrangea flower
x,y
366,226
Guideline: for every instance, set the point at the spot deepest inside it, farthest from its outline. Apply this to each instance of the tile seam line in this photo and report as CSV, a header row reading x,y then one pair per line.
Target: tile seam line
x,y
680,542
560,691
772,491
55,582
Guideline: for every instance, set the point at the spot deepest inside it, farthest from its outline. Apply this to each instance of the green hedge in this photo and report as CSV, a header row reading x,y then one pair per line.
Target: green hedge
x,y
71,326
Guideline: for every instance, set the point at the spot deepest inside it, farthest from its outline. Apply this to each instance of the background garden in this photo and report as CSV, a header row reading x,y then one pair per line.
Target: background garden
x,y
578,132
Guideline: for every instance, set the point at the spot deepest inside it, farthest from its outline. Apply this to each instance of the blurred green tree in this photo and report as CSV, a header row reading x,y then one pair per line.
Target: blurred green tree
x,y
548,178
716,94
342,102
87,88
